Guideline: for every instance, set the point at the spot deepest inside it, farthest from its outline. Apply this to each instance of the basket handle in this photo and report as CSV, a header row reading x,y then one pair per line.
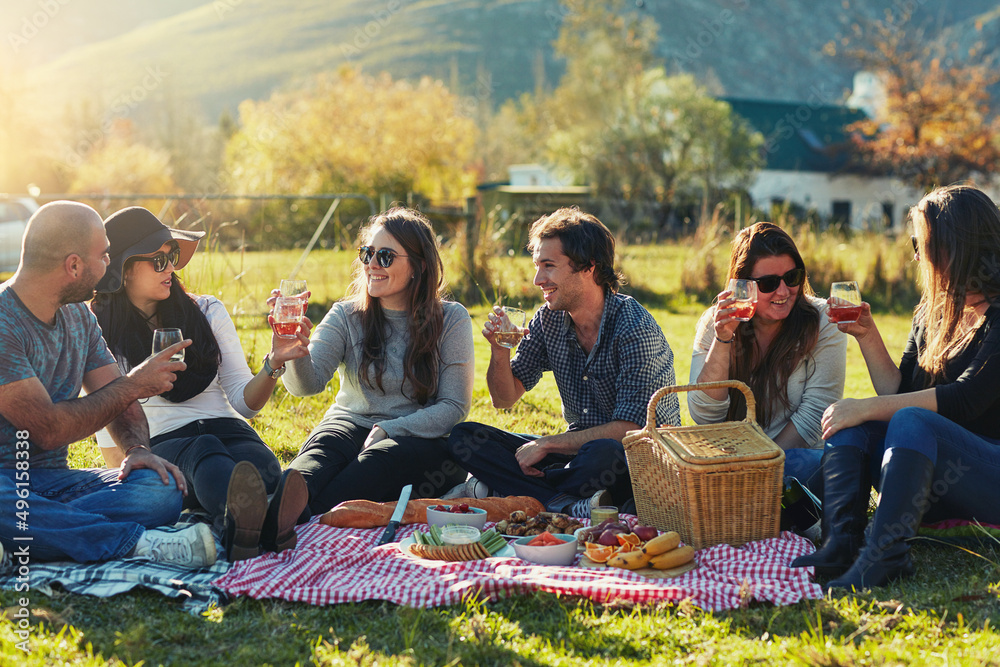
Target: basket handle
x,y
701,386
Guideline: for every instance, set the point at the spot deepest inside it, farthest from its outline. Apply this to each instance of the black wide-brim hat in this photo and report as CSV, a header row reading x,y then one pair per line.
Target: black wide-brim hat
x,y
136,231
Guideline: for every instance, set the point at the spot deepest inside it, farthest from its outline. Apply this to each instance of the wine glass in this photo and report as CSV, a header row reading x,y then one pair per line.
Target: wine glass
x,y
164,338
511,327
744,296
288,310
294,288
845,302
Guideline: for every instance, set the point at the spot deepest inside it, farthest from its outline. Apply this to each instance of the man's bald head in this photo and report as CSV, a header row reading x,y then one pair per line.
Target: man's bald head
x,y
57,230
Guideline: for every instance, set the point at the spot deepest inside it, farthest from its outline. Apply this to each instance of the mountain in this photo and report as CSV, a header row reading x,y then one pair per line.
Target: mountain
x,y
215,54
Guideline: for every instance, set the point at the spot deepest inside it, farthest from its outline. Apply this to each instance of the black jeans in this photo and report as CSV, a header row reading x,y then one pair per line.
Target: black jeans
x,y
206,451
488,453
336,469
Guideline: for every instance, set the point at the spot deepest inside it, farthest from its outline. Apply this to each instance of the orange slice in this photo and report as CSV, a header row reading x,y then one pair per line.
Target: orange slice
x,y
598,552
627,547
629,538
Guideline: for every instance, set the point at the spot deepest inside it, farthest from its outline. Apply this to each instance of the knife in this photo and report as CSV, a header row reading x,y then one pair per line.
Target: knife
x,y
397,515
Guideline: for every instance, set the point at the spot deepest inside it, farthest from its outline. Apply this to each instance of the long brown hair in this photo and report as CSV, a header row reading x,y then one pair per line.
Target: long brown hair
x,y
958,236
768,375
426,315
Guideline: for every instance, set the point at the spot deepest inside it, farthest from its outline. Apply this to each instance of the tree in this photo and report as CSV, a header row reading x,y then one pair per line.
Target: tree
x,y
634,133
119,163
350,132
936,125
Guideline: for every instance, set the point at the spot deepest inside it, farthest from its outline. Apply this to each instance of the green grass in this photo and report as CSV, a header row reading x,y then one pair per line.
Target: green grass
x,y
945,614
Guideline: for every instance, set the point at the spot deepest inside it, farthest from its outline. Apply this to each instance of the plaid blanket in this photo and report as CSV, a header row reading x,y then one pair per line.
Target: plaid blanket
x,y
193,587
334,565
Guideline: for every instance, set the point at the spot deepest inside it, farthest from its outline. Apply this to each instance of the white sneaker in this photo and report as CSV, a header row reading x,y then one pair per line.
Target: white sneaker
x,y
457,491
581,508
475,488
192,547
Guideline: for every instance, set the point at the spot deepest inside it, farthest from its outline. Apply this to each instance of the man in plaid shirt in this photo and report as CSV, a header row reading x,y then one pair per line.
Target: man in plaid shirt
x,y
608,356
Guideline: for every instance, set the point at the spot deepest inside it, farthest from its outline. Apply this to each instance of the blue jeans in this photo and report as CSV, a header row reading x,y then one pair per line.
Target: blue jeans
x,y
966,465
488,453
805,466
82,515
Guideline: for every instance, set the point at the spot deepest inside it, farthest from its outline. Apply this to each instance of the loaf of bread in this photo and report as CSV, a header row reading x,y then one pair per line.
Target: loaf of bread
x,y
368,514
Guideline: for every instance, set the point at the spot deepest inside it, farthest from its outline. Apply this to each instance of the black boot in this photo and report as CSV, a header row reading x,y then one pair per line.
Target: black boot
x,y
906,485
846,489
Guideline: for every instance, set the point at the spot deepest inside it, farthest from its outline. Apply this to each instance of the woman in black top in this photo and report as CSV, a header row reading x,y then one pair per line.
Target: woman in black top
x,y
929,440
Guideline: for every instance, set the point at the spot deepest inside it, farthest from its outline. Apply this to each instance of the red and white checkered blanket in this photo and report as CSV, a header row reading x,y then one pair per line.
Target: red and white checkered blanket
x,y
333,565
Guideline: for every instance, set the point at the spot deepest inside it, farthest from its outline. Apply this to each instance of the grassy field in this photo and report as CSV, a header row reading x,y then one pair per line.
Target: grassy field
x,y
945,615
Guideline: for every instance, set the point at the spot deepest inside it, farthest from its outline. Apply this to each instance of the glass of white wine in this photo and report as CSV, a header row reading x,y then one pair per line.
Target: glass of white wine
x,y
164,338
511,327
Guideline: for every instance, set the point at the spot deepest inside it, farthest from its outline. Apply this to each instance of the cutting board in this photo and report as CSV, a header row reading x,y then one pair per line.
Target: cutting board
x,y
644,571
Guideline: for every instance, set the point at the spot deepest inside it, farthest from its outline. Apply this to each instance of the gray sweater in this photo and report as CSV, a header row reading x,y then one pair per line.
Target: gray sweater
x,y
336,347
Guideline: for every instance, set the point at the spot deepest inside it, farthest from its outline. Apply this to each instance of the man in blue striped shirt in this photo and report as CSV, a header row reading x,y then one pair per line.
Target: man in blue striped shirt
x,y
608,356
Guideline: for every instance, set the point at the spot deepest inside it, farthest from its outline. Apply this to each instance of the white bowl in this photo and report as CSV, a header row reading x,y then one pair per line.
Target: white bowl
x,y
459,534
556,554
477,518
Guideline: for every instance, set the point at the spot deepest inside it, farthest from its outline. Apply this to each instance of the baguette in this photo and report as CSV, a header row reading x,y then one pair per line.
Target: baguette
x,y
368,514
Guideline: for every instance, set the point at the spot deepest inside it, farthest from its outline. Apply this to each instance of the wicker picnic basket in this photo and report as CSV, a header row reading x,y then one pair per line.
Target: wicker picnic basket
x,y
712,483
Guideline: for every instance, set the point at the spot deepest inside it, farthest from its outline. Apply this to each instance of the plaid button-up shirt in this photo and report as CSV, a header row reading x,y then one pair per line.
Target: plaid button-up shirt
x,y
630,360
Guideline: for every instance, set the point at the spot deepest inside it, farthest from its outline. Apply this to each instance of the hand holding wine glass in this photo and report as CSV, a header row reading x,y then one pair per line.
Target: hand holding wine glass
x,y
744,298
502,331
158,372
511,327
287,315
164,338
295,289
845,302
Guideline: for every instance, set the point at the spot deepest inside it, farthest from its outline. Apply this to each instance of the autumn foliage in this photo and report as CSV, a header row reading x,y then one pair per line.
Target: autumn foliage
x,y
937,125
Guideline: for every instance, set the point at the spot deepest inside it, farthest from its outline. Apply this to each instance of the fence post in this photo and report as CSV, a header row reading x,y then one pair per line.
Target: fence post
x,y
471,241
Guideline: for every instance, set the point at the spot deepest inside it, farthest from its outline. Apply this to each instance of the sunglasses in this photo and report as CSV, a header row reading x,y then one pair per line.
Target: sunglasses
x,y
161,258
385,256
767,284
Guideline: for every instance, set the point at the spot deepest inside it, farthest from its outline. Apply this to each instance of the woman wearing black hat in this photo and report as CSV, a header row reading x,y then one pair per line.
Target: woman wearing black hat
x,y
199,425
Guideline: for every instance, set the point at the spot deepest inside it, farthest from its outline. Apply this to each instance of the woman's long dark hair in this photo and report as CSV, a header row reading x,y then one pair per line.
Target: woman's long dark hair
x,y
129,335
426,315
767,375
958,230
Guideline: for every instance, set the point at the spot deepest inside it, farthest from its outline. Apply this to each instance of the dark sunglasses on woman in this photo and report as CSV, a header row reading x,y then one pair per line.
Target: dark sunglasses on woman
x,y
767,284
385,256
161,258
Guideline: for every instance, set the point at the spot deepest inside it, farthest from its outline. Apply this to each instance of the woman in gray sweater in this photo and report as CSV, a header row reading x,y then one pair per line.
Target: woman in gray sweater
x,y
789,353
405,360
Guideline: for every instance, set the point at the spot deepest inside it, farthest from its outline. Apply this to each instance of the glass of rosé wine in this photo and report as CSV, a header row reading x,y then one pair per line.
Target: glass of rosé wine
x,y
845,302
744,296
288,310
